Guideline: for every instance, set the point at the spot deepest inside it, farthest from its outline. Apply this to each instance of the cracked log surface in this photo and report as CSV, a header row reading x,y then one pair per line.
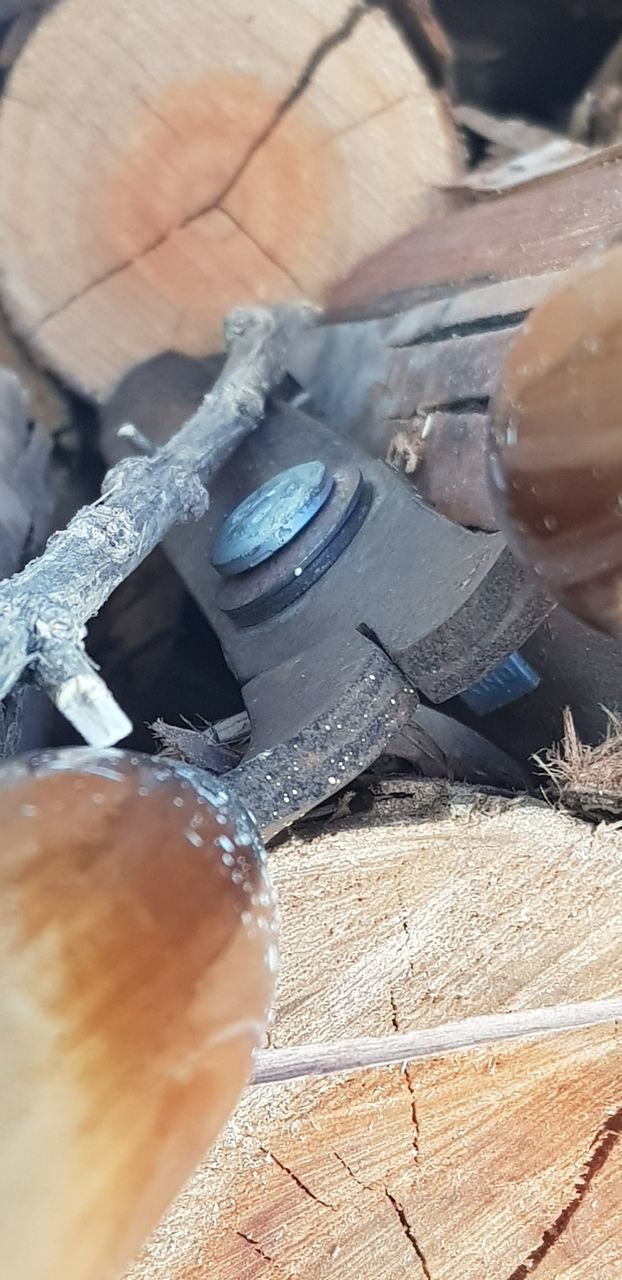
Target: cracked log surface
x,y
506,1162
185,157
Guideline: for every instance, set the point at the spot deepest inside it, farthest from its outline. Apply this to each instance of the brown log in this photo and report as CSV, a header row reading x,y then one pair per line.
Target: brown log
x,y
197,156
545,228
26,500
442,903
415,388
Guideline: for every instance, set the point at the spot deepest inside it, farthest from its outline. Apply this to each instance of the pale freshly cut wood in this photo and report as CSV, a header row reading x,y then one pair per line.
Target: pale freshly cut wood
x,y
440,904
160,162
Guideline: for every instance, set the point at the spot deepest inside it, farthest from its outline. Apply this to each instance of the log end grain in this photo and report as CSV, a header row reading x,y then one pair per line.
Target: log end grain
x,y
191,159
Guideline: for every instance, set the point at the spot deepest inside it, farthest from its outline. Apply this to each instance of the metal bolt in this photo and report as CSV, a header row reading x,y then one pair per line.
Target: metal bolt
x,y
271,517
503,685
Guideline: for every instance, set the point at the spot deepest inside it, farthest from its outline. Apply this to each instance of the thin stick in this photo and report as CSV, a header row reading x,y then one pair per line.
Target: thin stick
x,y
415,1046
44,609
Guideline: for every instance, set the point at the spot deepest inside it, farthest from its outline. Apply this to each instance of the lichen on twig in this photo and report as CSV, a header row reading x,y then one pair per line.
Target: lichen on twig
x,y
45,608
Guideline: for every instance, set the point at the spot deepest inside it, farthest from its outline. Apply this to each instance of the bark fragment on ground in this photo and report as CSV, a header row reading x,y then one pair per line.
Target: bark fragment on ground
x,y
587,780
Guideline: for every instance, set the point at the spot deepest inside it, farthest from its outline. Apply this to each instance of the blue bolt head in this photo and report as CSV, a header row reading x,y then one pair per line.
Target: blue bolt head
x,y
271,517
506,683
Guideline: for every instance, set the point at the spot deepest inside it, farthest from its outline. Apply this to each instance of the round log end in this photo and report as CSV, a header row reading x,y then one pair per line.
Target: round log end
x,y
138,959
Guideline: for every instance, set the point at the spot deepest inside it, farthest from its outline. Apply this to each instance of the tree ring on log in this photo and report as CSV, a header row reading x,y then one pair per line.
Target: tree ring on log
x,y
160,165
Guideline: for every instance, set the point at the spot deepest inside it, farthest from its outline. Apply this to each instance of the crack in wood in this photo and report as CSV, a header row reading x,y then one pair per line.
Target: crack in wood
x,y
470,404
463,329
603,1143
394,1018
352,1174
262,248
265,1257
398,1209
413,1109
298,1181
406,1069
358,124
408,1080
409,1233
314,61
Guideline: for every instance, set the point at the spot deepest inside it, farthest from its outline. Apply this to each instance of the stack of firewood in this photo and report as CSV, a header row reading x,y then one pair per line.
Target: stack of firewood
x,y
160,162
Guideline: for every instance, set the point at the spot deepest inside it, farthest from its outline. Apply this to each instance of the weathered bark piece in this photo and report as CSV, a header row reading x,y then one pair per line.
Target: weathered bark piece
x,y
544,228
440,904
596,115
200,155
19,31
47,405
25,511
503,135
17,8
415,387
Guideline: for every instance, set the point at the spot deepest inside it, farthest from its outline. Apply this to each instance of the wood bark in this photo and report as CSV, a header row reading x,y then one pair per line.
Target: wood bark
x,y
415,388
200,155
544,228
47,404
441,903
26,498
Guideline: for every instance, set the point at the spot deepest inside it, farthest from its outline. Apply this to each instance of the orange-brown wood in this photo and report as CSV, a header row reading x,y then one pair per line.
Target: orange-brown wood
x,y
200,155
137,961
440,904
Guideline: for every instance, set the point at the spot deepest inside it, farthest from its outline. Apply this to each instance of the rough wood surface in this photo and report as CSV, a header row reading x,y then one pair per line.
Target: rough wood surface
x,y
14,8
448,453
26,499
544,228
439,904
47,405
193,156
415,388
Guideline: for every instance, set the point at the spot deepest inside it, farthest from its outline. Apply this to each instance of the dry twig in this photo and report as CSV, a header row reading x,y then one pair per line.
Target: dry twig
x,y
416,1046
45,608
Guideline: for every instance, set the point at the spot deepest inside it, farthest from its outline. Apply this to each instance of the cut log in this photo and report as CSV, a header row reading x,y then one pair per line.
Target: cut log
x,y
441,904
544,228
196,156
